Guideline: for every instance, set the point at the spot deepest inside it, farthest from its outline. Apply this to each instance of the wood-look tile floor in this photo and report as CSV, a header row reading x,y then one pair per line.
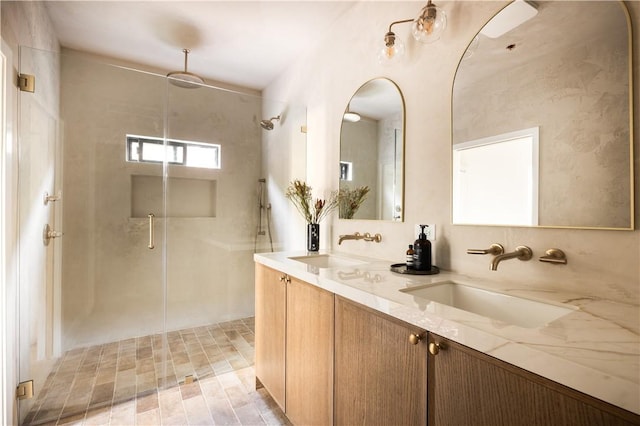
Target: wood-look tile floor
x,y
129,383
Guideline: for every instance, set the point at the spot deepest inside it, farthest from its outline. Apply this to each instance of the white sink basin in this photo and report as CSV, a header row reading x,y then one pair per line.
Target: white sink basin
x,y
502,307
326,260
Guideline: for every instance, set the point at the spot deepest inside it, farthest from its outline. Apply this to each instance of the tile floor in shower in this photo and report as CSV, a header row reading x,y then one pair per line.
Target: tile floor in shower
x,y
116,383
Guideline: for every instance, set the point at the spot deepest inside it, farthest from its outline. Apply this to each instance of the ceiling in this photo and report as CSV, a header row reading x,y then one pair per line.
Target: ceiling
x,y
246,43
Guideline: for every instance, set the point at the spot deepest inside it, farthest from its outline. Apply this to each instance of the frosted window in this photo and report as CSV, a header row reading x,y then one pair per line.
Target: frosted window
x,y
184,153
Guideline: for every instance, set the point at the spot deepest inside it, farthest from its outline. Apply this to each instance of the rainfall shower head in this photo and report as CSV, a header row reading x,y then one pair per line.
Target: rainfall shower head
x,y
185,79
268,124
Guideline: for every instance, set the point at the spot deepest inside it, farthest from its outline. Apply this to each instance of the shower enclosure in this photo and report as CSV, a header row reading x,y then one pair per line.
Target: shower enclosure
x,y
152,211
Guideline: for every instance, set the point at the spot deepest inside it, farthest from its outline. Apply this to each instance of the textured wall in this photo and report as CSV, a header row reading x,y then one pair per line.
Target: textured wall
x,y
601,263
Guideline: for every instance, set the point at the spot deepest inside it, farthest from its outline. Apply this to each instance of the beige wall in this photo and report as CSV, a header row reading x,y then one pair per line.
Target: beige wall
x,y
601,263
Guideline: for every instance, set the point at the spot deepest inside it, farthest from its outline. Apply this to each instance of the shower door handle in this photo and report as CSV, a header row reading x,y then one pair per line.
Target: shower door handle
x,y
152,232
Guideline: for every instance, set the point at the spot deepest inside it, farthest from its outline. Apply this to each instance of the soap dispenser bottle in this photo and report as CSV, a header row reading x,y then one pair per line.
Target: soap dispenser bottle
x,y
422,255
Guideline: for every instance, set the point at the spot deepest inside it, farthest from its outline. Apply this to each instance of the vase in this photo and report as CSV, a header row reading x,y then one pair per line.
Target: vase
x,y
313,236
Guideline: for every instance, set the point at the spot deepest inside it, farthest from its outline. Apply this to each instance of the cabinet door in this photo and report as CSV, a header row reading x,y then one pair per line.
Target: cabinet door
x,y
270,328
309,378
467,387
380,377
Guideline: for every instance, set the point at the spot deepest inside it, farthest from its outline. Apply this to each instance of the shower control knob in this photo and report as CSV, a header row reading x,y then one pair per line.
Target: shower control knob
x,y
48,234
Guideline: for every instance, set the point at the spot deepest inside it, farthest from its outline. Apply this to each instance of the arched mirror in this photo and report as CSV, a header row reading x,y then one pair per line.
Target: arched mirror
x,y
372,153
542,118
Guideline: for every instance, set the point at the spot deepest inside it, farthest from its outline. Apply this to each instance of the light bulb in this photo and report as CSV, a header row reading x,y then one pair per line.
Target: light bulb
x,y
428,27
392,50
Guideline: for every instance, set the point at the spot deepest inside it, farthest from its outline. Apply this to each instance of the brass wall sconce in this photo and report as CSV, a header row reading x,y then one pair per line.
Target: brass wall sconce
x,y
426,28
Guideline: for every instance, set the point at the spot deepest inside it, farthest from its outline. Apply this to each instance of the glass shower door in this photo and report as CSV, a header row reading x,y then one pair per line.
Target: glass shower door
x,y
38,154
212,218
92,301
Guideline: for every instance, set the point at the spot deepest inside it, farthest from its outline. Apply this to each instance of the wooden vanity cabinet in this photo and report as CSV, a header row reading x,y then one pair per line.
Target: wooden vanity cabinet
x,y
327,360
380,377
271,310
309,361
294,346
467,387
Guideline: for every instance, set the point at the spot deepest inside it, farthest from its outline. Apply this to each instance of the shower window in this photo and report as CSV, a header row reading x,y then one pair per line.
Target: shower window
x,y
185,153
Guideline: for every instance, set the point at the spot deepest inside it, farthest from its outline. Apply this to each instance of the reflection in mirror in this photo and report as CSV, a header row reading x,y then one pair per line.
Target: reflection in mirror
x,y
555,74
372,153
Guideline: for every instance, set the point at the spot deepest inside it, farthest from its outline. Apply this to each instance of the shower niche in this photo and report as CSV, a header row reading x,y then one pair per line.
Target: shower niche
x,y
189,197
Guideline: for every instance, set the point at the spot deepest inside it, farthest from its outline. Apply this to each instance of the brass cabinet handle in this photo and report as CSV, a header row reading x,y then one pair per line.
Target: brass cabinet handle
x,y
152,232
285,278
434,348
414,339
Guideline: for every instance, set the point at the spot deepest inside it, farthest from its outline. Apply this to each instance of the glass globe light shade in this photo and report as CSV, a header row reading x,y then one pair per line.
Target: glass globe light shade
x,y
392,50
430,25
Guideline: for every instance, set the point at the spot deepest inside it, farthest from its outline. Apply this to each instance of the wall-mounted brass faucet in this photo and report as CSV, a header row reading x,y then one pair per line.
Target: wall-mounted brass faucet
x,y
358,236
522,253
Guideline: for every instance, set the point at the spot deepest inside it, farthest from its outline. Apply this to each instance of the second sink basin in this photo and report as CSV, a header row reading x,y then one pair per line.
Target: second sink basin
x,y
503,307
326,260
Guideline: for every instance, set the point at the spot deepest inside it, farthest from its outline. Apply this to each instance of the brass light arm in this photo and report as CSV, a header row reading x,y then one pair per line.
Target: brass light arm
x,y
404,21
390,36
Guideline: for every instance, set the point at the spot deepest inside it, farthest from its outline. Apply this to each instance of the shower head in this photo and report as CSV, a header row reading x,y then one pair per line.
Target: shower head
x,y
185,79
268,124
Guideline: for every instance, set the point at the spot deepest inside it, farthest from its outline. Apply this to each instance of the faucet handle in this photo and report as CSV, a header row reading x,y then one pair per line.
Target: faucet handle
x,y
494,249
376,238
555,256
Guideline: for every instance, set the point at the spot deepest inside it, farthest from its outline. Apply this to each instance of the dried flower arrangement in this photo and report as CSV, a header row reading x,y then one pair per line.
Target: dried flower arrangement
x,y
313,212
350,200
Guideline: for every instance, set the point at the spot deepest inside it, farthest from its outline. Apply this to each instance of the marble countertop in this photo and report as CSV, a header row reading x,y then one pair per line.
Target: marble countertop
x,y
594,349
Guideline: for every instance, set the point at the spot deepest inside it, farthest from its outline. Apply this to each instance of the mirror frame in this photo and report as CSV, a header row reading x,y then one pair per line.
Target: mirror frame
x,y
404,145
632,200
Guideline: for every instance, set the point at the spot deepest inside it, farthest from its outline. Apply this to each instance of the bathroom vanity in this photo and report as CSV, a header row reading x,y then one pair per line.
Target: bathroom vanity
x,y
338,342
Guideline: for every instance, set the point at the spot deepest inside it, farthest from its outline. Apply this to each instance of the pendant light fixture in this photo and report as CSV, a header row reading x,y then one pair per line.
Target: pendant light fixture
x,y
426,28
351,116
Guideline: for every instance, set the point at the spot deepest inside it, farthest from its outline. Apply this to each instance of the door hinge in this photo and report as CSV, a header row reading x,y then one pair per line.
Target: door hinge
x,y
25,390
27,83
